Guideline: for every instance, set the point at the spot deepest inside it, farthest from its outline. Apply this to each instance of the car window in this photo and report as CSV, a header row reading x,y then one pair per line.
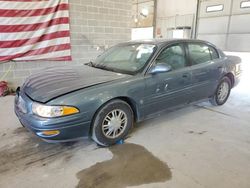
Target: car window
x,y
121,54
173,56
201,53
128,59
214,53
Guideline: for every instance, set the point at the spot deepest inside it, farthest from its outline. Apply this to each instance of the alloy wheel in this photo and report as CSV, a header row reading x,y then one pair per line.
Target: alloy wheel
x,y
114,123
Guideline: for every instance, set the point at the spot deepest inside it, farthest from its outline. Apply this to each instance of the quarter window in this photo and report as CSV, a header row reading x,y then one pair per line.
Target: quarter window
x,y
200,53
173,56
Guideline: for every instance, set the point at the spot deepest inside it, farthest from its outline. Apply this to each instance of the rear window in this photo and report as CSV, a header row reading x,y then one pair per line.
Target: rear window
x,y
201,53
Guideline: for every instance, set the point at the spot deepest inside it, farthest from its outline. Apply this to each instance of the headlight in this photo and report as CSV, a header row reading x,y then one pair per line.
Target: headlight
x,y
238,68
53,111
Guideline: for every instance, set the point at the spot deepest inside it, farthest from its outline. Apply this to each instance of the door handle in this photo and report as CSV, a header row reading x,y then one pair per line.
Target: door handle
x,y
220,69
201,73
185,76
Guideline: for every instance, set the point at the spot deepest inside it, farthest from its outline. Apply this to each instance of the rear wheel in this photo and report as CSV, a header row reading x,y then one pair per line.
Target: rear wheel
x,y
112,123
222,92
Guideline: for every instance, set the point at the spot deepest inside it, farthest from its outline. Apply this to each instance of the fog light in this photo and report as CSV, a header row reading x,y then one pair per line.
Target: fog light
x,y
50,133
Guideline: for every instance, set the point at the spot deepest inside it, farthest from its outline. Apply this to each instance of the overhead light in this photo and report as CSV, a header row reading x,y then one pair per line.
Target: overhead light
x,y
144,12
136,20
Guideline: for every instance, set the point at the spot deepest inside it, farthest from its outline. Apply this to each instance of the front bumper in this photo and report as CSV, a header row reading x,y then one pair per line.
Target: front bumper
x,y
69,127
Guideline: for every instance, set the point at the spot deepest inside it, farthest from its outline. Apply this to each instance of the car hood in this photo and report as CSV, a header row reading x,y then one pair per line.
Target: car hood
x,y
56,81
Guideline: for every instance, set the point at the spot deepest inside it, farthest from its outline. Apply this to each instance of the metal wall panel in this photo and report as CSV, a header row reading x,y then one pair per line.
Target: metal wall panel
x,y
238,43
168,23
205,4
213,25
237,9
229,29
218,40
240,24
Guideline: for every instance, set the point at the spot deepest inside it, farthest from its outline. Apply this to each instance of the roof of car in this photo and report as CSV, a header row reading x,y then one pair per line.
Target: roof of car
x,y
162,41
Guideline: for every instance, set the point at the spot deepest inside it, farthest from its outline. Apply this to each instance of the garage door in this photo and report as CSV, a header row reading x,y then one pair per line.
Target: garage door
x,y
225,23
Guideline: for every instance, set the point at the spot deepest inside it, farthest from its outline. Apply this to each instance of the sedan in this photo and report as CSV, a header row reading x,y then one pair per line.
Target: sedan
x,y
128,83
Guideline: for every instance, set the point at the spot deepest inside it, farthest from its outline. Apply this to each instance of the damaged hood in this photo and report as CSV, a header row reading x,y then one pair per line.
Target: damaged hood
x,y
56,81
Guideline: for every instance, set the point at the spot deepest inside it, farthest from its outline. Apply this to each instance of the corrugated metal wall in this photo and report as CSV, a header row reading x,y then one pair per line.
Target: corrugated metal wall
x,y
228,28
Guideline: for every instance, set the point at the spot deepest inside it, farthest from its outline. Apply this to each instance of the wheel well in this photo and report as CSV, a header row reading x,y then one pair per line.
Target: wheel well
x,y
131,104
231,77
127,100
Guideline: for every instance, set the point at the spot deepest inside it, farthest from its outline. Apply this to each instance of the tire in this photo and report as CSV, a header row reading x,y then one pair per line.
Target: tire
x,y
116,117
219,97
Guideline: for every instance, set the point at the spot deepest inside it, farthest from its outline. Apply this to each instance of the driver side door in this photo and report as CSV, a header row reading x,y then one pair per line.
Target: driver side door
x,y
168,89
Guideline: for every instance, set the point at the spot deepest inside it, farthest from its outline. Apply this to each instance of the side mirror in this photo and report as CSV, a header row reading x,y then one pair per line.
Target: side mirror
x,y
160,68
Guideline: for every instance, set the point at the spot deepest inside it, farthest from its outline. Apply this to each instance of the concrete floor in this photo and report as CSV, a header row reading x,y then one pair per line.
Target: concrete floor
x,y
196,146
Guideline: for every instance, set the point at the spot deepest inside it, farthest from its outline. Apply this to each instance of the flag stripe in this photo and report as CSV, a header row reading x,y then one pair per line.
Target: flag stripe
x,y
63,58
38,51
34,12
32,20
23,49
32,27
34,30
24,0
19,43
30,5
50,56
32,34
56,54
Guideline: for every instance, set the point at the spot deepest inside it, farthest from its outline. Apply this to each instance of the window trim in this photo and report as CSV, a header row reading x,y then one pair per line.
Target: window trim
x,y
218,10
247,6
218,55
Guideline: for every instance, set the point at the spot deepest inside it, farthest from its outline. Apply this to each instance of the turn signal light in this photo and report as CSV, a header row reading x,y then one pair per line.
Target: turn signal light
x,y
50,133
69,110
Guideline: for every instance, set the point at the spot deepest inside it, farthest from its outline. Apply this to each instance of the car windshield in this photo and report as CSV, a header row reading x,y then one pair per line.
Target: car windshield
x,y
127,59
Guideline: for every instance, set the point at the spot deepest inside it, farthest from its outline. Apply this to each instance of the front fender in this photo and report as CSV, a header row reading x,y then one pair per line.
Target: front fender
x,y
89,100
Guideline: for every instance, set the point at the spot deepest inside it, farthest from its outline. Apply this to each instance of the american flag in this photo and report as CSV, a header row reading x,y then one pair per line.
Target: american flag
x,y
34,30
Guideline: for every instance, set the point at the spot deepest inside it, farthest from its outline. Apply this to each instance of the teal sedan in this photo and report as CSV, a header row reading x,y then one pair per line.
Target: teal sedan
x,y
128,83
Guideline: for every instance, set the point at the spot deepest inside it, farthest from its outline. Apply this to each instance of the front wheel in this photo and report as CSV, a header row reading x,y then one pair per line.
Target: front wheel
x,y
222,92
112,123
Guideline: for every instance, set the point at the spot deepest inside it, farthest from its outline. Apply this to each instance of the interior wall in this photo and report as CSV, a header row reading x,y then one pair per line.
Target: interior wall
x,y
139,20
168,8
174,13
94,24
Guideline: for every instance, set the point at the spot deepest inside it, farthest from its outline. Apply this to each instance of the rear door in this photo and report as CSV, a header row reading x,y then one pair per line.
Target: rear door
x,y
164,90
206,67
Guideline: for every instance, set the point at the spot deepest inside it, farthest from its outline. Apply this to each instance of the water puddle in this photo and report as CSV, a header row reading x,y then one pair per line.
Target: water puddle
x,y
32,151
131,165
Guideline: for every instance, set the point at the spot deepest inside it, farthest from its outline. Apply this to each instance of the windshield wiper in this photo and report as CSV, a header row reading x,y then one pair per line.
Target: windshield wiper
x,y
91,64
100,66
104,67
